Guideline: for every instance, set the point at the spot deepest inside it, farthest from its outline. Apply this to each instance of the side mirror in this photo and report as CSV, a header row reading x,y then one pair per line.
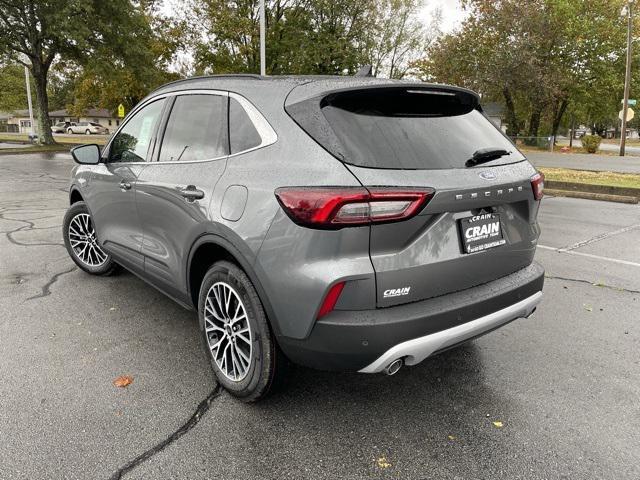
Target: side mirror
x,y
86,154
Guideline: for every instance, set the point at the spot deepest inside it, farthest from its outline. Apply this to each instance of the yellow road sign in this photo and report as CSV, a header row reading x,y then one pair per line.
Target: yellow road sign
x,y
121,111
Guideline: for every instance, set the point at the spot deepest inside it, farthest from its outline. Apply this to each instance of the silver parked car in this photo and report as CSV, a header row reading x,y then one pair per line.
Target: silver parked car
x,y
60,127
340,223
87,128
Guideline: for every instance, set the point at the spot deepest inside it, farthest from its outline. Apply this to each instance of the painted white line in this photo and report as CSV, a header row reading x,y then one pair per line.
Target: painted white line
x,y
589,255
600,237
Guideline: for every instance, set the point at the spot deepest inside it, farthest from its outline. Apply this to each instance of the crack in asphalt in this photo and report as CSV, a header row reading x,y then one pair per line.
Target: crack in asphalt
x,y
593,284
201,409
46,288
28,226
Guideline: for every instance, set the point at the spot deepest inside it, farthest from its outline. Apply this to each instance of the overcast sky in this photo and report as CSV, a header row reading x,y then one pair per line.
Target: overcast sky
x,y
452,13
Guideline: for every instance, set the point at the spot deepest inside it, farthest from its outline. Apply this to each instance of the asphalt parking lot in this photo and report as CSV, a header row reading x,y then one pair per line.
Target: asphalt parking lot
x,y
554,396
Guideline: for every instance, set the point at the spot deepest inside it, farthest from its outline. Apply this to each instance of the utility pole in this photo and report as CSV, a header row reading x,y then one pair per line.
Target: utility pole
x,y
26,77
627,79
262,40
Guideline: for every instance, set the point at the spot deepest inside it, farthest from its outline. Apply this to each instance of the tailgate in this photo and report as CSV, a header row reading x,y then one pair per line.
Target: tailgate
x,y
425,256
479,225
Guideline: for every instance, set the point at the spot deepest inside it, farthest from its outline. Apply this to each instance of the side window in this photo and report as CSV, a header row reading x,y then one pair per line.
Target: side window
x,y
132,142
197,129
242,132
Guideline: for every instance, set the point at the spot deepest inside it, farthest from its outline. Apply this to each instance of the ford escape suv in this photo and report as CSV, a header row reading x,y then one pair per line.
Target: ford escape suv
x,y
343,223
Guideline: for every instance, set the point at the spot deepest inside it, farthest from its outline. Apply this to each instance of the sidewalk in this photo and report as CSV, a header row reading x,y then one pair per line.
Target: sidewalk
x,y
583,161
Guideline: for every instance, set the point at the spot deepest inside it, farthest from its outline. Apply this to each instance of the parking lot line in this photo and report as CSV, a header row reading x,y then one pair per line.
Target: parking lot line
x,y
600,237
589,255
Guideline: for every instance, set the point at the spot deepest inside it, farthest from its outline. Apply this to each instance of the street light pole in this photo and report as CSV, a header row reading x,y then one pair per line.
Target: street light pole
x,y
627,80
262,39
26,77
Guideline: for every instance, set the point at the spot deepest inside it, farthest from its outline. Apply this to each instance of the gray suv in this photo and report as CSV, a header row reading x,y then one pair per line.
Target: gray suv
x,y
342,223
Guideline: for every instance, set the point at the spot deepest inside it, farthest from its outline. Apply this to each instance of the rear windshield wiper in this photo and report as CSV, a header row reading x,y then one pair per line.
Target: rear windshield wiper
x,y
485,155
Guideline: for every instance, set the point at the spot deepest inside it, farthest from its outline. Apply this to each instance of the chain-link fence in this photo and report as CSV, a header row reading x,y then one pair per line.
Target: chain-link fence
x,y
543,143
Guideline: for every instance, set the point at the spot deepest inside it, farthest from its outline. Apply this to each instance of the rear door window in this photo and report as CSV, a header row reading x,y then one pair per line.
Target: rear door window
x,y
197,129
404,128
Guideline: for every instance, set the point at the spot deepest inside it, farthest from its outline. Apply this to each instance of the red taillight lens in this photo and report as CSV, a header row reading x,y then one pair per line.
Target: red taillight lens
x,y
331,299
337,207
537,183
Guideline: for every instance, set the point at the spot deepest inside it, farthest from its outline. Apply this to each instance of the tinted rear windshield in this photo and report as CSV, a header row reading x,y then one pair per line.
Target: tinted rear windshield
x,y
411,129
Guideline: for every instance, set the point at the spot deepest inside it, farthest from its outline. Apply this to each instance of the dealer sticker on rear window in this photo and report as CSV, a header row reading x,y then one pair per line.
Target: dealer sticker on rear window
x,y
481,232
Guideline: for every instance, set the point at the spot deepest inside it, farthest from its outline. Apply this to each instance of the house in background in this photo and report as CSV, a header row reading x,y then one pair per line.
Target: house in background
x,y
495,112
21,123
4,123
610,133
96,115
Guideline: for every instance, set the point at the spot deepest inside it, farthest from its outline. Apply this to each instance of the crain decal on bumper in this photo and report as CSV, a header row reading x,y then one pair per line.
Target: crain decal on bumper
x,y
396,292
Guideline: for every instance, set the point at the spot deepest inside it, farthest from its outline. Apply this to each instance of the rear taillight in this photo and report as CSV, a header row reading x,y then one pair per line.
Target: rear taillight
x,y
537,183
337,207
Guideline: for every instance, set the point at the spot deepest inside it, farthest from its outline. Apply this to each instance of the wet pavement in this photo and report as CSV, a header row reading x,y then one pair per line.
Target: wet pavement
x,y
584,161
554,396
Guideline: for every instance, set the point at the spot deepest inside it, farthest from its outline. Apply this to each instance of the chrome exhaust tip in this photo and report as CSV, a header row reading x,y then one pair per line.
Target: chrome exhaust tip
x,y
394,367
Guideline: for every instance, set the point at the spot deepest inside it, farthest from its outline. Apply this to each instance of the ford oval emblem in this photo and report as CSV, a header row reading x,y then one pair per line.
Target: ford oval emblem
x,y
488,175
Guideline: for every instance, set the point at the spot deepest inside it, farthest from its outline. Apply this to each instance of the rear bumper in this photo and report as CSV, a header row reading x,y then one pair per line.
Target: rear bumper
x,y
416,350
368,340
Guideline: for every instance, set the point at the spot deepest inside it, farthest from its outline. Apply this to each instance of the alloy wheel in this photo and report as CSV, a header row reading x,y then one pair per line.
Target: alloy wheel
x,y
82,238
228,331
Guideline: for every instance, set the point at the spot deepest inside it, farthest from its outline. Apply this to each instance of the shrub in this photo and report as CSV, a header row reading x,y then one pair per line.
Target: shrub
x,y
591,143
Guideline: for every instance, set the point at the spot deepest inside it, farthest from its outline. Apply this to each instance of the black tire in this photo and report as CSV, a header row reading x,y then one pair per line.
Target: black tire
x,y
69,131
108,267
268,363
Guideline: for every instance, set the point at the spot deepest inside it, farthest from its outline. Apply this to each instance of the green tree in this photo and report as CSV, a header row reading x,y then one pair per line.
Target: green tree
x,y
13,91
36,33
541,58
114,77
396,37
328,37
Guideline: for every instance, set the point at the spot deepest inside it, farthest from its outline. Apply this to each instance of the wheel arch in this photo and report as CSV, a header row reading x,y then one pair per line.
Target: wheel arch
x,y
210,248
75,196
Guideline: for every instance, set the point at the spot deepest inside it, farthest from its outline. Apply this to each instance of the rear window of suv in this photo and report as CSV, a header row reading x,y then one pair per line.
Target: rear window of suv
x,y
408,128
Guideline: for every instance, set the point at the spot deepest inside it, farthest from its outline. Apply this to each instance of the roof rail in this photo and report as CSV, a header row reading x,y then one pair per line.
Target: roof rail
x,y
252,76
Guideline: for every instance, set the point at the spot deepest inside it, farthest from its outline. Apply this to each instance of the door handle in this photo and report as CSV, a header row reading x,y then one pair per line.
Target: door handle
x,y
125,186
191,193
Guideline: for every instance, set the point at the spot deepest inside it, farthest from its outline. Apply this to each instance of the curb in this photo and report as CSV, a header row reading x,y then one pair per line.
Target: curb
x,y
592,188
591,196
24,151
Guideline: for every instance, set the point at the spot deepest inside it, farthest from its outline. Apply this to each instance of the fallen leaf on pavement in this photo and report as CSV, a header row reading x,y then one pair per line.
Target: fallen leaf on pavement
x,y
497,424
383,462
588,308
123,381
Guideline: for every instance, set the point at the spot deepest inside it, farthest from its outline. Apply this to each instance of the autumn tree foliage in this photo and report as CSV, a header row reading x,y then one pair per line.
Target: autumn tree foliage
x,y
327,37
112,39
541,59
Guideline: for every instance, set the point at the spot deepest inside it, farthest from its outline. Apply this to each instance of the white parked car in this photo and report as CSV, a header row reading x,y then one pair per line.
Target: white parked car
x,y
60,127
87,128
